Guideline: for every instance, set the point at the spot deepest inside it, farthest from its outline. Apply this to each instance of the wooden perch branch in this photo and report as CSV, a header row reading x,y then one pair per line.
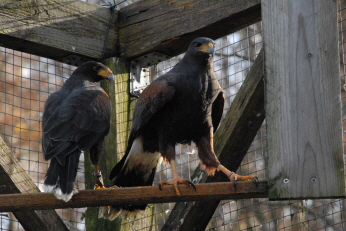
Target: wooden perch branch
x,y
134,195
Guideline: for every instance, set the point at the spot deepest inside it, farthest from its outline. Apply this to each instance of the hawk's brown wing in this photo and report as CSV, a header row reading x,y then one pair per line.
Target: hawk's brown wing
x,y
151,100
74,121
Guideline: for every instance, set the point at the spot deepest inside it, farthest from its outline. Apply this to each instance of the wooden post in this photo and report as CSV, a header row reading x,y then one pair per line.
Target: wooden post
x,y
303,107
14,179
116,141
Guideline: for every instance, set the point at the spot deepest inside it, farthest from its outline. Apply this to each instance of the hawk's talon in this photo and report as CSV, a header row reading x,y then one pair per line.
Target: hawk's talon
x,y
175,183
255,179
96,186
235,183
98,180
190,182
235,180
162,182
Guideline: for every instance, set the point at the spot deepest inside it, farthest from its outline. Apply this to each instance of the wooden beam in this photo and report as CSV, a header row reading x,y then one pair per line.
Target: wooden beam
x,y
74,31
303,105
58,29
168,27
116,141
134,195
232,142
14,179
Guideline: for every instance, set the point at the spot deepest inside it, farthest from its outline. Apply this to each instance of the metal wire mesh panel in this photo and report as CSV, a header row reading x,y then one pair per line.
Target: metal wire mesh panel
x,y
27,80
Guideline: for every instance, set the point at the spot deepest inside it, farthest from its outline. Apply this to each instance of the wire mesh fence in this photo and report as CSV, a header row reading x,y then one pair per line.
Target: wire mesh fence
x,y
27,80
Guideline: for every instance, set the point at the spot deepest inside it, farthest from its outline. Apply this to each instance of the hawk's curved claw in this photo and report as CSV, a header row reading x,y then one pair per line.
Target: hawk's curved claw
x,y
255,179
233,177
175,183
235,180
98,180
190,182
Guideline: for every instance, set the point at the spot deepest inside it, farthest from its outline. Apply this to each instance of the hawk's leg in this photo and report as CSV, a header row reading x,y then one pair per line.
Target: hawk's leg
x,y
98,178
95,152
176,179
210,163
235,177
169,154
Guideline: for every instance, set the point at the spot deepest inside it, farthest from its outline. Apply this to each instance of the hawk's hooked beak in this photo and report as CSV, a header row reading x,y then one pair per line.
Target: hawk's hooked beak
x,y
208,48
110,77
106,73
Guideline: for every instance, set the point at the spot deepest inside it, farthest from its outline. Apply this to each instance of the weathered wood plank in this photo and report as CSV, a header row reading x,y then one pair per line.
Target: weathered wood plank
x,y
304,131
56,29
14,179
122,99
169,26
232,141
134,195
123,105
116,140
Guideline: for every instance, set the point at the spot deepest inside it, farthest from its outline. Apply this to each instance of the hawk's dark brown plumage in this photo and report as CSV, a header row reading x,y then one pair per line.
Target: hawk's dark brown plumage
x,y
76,118
181,106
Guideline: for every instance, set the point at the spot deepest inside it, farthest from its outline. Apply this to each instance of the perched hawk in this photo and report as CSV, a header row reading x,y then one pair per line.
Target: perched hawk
x,y
76,118
181,106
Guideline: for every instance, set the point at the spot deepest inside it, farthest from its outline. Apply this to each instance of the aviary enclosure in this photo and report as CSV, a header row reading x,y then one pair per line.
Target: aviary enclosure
x,y
42,42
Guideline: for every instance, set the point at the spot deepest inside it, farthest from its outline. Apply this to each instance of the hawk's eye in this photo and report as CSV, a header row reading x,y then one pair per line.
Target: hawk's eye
x,y
97,68
198,44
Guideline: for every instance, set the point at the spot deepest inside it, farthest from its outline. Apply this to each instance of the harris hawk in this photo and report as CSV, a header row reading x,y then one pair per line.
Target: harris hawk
x,y
183,105
76,118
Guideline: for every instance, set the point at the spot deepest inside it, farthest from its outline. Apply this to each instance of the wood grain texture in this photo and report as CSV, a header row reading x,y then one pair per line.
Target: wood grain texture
x,y
118,91
303,109
169,26
232,141
134,195
56,29
14,179
116,141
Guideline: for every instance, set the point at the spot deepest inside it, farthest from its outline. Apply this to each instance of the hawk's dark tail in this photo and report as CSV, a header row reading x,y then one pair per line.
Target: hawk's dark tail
x,y
137,169
60,179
